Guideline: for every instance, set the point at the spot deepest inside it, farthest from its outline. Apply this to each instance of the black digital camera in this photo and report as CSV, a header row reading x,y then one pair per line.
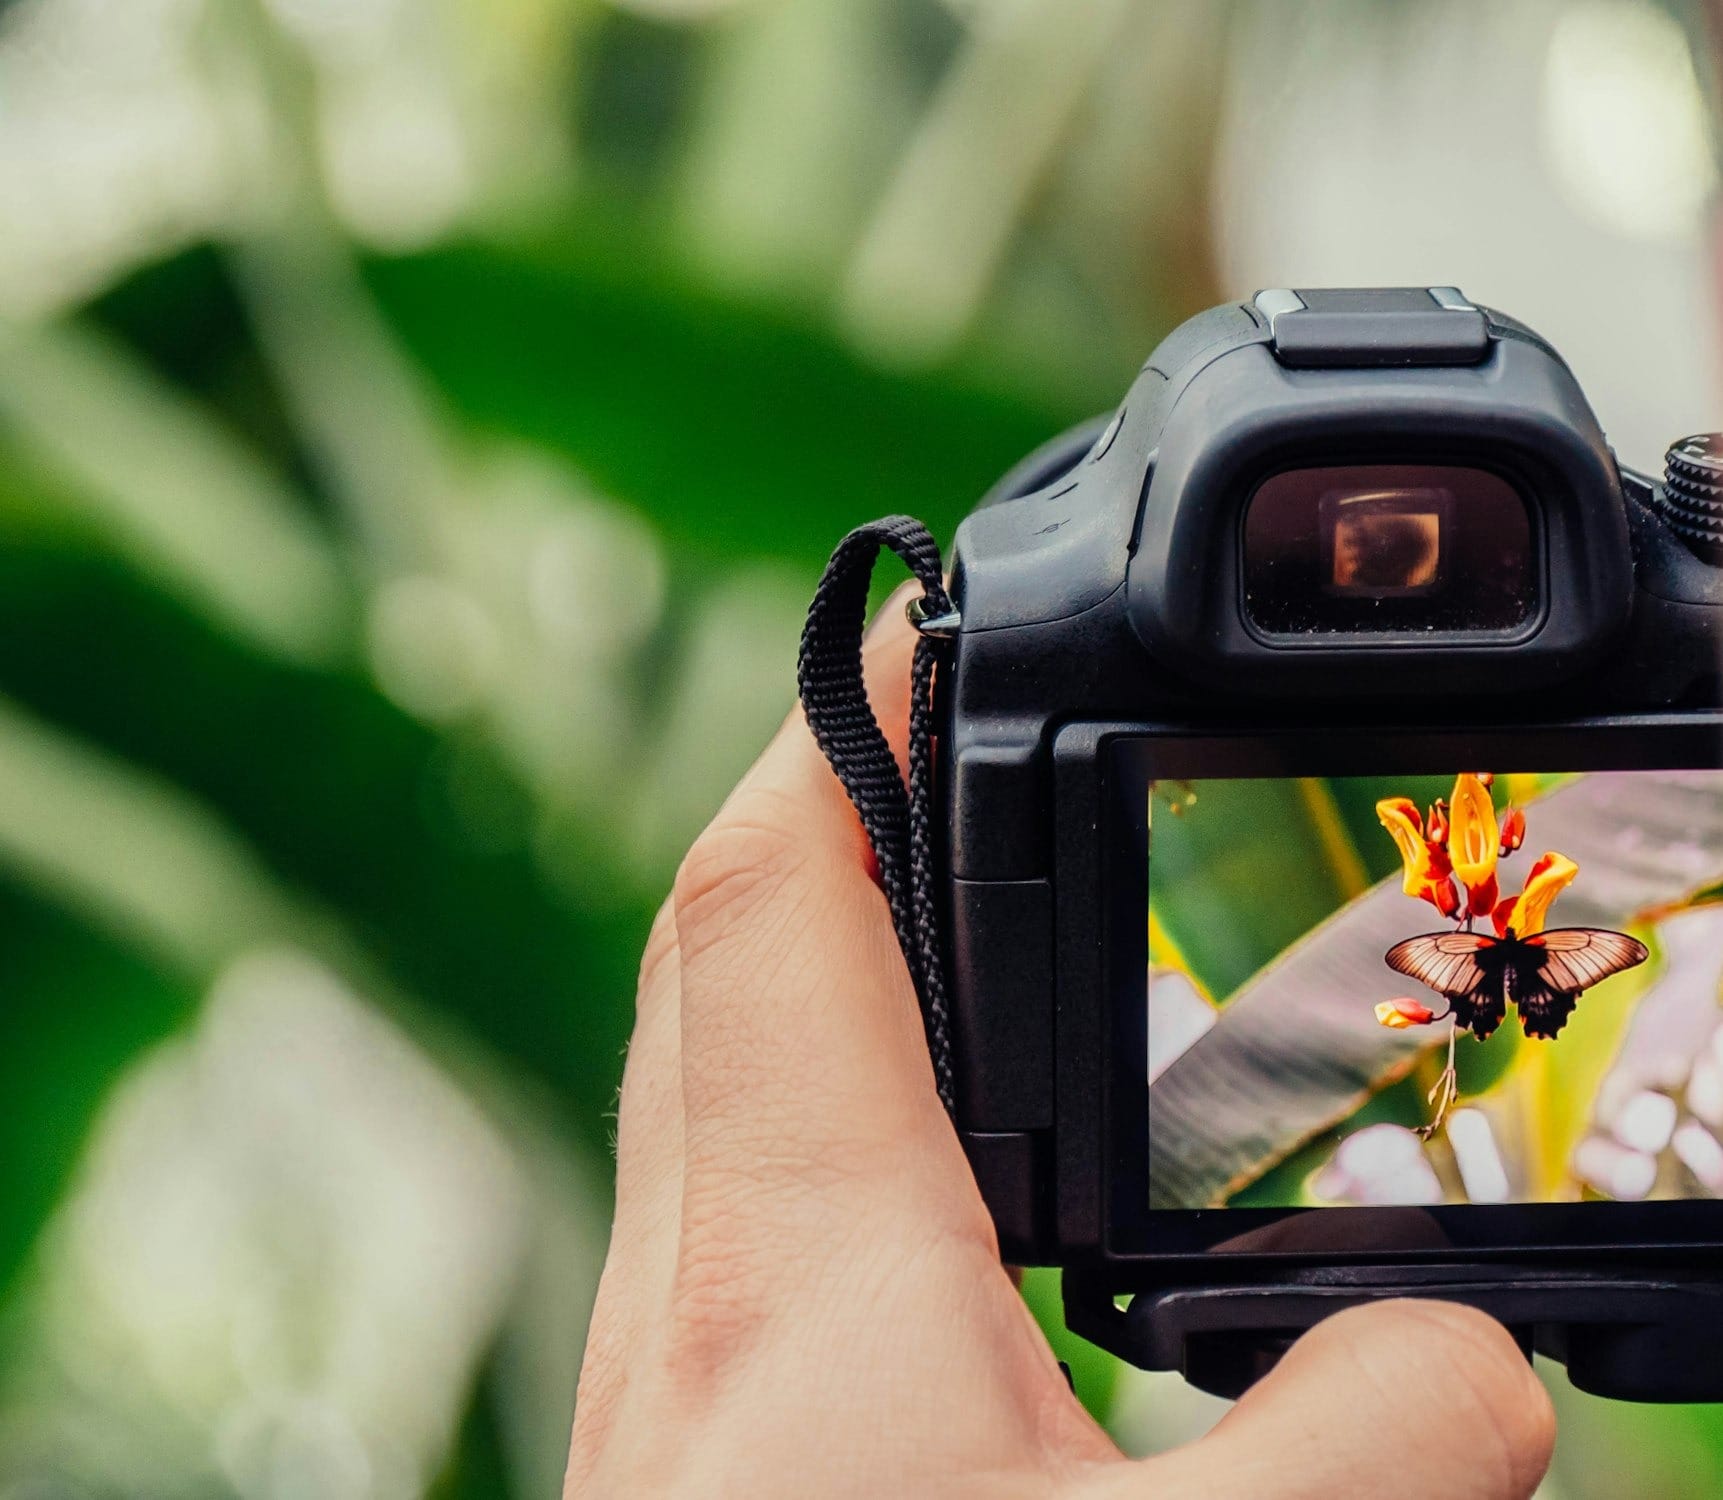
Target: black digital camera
x,y
1330,848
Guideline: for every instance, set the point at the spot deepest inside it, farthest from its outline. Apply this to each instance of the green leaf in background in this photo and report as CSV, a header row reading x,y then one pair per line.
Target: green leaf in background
x,y
77,1007
1274,859
1356,797
1094,1373
1609,1448
346,798
478,1469
746,431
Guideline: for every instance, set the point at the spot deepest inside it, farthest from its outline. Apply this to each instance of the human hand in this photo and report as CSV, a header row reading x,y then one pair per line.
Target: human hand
x,y
803,1294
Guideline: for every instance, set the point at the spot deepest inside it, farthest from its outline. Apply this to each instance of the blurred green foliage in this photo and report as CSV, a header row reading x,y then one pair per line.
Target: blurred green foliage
x,y
623,326
412,852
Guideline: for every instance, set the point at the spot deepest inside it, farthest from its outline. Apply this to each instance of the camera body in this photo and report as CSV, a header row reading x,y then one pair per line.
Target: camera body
x,y
1328,539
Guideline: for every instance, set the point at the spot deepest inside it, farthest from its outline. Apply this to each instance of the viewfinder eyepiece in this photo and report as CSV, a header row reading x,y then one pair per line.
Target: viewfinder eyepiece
x,y
1389,549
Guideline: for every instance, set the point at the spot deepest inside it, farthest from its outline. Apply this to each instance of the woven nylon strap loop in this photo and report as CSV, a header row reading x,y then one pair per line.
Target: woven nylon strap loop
x,y
897,819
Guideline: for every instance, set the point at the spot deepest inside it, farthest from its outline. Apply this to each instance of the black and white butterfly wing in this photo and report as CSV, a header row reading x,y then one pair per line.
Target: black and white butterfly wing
x,y
1458,966
1446,961
1543,1008
1554,968
1579,957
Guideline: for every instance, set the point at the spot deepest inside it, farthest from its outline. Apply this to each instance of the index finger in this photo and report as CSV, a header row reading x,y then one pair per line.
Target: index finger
x,y
803,1053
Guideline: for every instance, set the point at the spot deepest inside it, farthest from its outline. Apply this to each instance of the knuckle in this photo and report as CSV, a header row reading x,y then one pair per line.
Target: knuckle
x,y
735,1273
839,1206
740,861
721,1300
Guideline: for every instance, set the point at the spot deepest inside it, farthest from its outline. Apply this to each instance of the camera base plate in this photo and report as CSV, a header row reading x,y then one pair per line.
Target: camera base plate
x,y
1636,1332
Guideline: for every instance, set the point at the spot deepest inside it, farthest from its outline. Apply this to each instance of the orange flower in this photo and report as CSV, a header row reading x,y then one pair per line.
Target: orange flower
x,y
1403,1014
1399,815
1527,913
1426,865
1473,837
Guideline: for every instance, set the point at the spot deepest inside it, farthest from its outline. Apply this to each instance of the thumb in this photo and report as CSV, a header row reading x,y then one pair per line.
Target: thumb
x,y
1424,1400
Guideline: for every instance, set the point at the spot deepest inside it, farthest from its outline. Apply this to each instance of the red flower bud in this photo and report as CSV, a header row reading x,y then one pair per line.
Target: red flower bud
x,y
1400,1014
1513,830
1438,826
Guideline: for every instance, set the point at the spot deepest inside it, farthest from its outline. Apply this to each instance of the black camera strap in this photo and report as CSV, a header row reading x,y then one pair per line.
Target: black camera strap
x,y
897,819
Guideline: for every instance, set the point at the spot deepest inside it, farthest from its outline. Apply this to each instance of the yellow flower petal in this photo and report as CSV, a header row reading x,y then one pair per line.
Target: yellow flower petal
x,y
1549,877
1402,1015
1399,815
1473,837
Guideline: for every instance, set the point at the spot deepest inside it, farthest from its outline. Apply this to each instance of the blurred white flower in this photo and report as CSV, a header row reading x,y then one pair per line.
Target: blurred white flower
x,y
1675,1020
1705,1090
1478,1157
289,1248
1615,1169
1700,1153
130,128
434,647
1624,120
1646,1122
1380,1165
113,145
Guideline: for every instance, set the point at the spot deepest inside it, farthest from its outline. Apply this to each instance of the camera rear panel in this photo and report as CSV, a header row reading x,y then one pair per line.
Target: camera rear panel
x,y
1413,539
1332,764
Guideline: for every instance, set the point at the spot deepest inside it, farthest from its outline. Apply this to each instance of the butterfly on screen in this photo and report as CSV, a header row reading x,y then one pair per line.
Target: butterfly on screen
x,y
1543,975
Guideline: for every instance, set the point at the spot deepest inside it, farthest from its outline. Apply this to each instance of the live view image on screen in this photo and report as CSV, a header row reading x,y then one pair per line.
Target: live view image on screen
x,y
1470,988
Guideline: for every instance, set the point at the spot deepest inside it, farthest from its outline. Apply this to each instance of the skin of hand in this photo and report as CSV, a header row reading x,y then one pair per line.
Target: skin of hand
x,y
803,1294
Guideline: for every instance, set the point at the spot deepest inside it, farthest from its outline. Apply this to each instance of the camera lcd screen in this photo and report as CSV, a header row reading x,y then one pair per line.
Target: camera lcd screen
x,y
1389,549
1398,991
